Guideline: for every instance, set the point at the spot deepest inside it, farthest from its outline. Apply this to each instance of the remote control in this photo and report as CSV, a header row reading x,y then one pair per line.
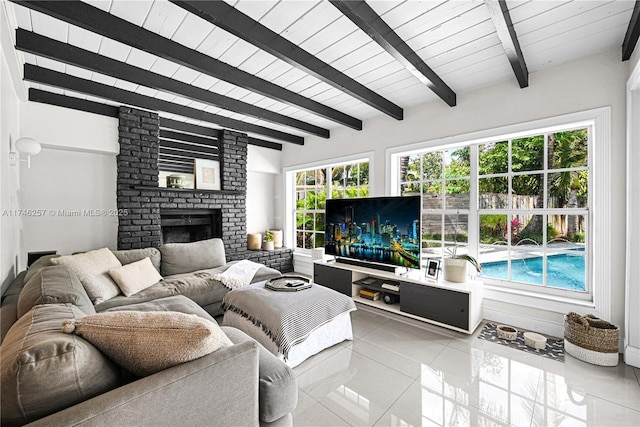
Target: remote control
x,y
294,284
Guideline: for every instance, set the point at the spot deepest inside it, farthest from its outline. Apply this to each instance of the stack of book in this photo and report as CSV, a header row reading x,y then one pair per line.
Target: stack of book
x,y
369,294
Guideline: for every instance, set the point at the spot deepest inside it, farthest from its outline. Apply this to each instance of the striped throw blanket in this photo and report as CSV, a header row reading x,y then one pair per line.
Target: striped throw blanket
x,y
287,318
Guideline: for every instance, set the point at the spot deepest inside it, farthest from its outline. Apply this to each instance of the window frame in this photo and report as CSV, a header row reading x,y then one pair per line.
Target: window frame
x,y
290,190
599,120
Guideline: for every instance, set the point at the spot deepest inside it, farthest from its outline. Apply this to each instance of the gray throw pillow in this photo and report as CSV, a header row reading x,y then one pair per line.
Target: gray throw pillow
x,y
44,370
54,285
43,261
178,258
178,303
128,256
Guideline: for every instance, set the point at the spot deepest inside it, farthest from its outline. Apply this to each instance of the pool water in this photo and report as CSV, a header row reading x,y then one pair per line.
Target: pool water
x,y
563,271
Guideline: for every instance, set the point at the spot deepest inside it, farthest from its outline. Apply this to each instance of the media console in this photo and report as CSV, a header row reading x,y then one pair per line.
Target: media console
x,y
457,306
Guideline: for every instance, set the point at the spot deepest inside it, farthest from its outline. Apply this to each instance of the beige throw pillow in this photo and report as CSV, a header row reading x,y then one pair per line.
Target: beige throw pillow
x,y
148,342
134,277
92,268
127,256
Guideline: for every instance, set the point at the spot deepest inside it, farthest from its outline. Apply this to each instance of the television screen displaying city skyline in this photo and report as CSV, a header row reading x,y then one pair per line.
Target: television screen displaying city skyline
x,y
377,229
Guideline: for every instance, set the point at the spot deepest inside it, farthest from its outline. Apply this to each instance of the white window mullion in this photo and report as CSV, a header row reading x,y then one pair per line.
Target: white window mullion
x,y
474,196
545,205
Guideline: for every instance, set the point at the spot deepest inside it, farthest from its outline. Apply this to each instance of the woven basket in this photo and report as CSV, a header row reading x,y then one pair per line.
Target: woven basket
x,y
591,339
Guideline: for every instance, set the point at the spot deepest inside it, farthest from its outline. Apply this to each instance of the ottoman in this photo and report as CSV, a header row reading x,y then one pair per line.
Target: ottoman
x,y
291,325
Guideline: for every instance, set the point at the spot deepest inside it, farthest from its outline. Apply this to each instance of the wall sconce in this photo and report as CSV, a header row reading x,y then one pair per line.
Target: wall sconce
x,y
26,145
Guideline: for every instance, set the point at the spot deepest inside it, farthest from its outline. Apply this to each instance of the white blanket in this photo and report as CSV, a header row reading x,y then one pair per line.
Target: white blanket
x,y
239,274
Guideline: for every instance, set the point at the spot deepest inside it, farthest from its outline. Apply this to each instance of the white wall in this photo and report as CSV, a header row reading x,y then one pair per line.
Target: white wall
x,y
10,100
632,351
72,181
585,84
75,195
66,129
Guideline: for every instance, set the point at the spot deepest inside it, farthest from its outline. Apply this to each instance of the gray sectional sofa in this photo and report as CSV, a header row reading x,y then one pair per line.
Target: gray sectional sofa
x,y
55,378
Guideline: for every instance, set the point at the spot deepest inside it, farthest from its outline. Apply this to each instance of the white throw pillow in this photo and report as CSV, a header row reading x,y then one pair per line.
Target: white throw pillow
x,y
134,277
92,268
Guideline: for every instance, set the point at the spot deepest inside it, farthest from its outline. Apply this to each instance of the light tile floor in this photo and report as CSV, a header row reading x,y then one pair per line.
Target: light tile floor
x,y
398,374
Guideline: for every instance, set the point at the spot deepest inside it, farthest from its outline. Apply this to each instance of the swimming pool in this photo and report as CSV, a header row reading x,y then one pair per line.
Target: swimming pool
x,y
563,271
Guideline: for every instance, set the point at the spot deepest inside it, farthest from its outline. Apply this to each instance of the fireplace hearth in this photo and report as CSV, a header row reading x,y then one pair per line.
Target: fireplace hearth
x,y
190,225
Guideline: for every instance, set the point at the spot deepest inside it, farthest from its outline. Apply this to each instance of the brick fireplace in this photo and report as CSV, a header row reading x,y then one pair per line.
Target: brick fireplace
x,y
139,195
189,225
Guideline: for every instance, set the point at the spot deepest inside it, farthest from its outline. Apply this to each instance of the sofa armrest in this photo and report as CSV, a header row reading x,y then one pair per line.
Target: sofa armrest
x,y
8,315
220,388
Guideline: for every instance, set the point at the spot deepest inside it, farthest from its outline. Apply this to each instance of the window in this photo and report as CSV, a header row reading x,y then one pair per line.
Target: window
x,y
522,203
313,186
533,198
442,177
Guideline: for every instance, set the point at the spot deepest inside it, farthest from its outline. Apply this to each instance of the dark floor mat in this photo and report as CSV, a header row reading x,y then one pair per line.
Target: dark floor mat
x,y
554,349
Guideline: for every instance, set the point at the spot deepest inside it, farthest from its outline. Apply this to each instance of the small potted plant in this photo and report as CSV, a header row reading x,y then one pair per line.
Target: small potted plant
x,y
267,243
454,264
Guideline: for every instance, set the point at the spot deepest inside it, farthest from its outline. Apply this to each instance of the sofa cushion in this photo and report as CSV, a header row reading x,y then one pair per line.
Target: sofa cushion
x,y
197,285
43,261
180,258
44,370
54,285
16,285
178,303
8,315
92,269
128,256
148,342
135,277
278,387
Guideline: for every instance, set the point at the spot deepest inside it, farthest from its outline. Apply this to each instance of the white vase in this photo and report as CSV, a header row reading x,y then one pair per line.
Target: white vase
x,y
267,246
277,238
455,270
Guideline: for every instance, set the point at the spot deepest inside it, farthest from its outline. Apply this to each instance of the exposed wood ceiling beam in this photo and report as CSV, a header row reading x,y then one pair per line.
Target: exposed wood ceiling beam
x,y
65,81
43,46
203,130
95,20
361,14
266,144
504,28
214,133
188,127
633,32
50,98
227,17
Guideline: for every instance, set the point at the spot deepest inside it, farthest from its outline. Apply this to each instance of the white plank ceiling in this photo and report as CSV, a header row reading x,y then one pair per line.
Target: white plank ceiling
x,y
457,39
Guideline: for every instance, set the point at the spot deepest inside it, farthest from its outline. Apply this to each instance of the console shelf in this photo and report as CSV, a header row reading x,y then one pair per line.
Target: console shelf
x,y
457,306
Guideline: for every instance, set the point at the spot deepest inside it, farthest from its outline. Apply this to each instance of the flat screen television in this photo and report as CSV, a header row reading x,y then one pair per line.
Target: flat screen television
x,y
376,230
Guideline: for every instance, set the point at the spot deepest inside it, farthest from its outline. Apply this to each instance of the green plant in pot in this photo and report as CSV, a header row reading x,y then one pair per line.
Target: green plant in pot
x,y
455,264
267,243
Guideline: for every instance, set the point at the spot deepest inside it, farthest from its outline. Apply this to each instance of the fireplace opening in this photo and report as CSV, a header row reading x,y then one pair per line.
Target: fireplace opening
x,y
190,225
